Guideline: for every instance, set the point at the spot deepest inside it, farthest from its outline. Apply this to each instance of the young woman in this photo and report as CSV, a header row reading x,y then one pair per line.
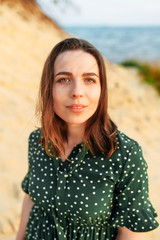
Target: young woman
x,y
86,179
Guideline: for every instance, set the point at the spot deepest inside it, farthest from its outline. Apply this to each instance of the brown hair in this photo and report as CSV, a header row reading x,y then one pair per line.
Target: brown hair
x,y
100,131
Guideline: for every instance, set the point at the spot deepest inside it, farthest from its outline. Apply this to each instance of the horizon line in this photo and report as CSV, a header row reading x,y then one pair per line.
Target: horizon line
x,y
108,25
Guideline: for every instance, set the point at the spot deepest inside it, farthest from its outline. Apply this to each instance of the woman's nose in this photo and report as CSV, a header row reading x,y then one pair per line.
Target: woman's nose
x,y
77,90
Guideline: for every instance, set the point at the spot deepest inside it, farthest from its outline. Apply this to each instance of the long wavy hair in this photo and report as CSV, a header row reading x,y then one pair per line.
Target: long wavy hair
x,y
100,130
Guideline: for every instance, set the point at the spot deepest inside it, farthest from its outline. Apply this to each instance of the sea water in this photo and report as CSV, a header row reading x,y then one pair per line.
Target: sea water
x,y
122,43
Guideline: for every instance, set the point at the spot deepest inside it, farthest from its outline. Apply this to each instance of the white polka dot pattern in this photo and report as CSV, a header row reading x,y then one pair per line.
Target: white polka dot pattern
x,y
89,197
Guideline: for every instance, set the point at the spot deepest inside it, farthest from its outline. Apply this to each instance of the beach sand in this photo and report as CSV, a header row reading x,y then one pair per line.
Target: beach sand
x,y
26,38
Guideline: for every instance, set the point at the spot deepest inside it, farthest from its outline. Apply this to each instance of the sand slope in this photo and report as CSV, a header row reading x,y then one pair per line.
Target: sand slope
x,y
26,38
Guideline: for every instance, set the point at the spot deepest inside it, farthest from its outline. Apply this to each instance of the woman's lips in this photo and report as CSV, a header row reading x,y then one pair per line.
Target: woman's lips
x,y
76,107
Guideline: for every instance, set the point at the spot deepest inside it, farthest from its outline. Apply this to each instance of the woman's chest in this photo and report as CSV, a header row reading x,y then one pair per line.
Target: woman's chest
x,y
85,191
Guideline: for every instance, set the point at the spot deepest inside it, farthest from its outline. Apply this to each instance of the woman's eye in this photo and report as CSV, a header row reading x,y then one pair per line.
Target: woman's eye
x,y
63,80
90,80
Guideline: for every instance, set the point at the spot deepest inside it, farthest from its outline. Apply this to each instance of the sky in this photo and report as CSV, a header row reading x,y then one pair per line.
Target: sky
x,y
104,12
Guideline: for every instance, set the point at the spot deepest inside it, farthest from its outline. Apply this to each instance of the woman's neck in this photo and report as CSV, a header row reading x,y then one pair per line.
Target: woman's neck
x,y
75,134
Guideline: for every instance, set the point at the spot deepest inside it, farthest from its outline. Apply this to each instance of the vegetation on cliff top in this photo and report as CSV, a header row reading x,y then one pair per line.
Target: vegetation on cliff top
x,y
150,72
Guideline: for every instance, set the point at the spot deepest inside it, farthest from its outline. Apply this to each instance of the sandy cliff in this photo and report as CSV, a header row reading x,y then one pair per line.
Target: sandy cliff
x,y
26,38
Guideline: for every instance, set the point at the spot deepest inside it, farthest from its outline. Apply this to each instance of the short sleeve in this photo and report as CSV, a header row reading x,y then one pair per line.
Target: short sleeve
x,y
132,207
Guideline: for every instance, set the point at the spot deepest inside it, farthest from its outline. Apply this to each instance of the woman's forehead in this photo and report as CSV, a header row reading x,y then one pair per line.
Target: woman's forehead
x,y
75,59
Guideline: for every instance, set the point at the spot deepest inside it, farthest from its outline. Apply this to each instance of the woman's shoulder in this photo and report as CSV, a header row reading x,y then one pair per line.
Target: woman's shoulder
x,y
35,135
125,141
127,146
129,150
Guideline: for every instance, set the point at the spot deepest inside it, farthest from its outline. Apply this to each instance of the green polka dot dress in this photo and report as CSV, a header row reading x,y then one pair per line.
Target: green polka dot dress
x,y
89,197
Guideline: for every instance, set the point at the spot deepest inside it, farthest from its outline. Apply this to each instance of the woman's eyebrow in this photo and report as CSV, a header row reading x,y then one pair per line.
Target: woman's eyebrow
x,y
89,74
64,73
70,74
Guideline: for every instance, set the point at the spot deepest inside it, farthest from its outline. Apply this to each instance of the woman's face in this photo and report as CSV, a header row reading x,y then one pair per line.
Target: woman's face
x,y
76,87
